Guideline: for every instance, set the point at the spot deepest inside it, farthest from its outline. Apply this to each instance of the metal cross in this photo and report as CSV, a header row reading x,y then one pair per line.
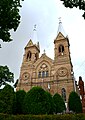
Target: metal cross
x,y
59,19
34,27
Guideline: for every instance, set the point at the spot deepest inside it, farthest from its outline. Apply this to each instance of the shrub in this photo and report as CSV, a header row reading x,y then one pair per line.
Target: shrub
x,y
19,101
43,117
7,97
52,108
36,102
74,103
59,103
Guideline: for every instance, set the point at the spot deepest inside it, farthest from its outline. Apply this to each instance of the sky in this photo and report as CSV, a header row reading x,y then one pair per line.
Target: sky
x,y
45,14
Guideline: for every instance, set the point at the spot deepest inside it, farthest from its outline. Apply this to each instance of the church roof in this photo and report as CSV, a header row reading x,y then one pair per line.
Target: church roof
x,y
30,43
44,57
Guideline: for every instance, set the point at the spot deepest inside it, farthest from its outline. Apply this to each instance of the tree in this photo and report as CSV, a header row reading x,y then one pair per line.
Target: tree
x,y
36,102
75,3
19,101
15,85
74,103
9,18
5,75
7,97
59,103
52,108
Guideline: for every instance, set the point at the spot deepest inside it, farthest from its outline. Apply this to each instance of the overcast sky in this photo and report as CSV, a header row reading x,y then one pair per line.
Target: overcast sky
x,y
45,14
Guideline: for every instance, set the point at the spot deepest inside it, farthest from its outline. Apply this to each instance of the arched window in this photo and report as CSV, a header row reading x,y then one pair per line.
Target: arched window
x,y
61,49
43,71
46,73
29,55
63,92
39,74
43,74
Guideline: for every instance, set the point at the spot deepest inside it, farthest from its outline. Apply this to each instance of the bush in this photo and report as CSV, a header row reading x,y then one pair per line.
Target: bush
x,y
52,108
74,103
7,97
19,101
59,103
43,117
36,102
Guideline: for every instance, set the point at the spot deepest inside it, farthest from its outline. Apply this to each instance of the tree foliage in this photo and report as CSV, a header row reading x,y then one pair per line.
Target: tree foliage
x,y
7,97
75,3
59,103
5,75
36,102
19,101
74,103
52,108
9,18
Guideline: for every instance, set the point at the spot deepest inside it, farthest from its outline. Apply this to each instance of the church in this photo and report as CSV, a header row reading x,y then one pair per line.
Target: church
x,y
53,75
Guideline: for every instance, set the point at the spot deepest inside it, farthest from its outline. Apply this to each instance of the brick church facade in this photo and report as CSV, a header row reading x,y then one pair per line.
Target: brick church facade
x,y
54,75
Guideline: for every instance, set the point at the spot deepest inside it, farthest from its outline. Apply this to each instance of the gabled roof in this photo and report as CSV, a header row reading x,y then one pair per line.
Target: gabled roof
x,y
60,36
44,58
30,43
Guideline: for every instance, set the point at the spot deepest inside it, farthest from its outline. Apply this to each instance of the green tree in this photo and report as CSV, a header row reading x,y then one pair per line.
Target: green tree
x,y
9,18
15,85
19,101
52,108
5,75
36,102
74,103
59,103
75,3
7,97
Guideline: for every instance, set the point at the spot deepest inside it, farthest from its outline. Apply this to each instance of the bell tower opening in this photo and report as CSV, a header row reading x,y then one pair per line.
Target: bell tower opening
x,y
29,54
36,56
61,50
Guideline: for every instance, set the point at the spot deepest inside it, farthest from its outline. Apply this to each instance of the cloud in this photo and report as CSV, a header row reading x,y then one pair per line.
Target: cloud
x,y
45,14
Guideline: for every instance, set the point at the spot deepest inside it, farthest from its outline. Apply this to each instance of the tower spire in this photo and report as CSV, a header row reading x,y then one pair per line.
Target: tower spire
x,y
60,28
34,39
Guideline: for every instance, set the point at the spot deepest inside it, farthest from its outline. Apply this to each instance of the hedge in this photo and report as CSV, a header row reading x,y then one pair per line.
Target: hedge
x,y
43,117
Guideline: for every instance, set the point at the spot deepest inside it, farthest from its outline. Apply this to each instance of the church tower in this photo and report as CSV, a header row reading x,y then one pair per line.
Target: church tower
x,y
63,64
31,55
31,52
